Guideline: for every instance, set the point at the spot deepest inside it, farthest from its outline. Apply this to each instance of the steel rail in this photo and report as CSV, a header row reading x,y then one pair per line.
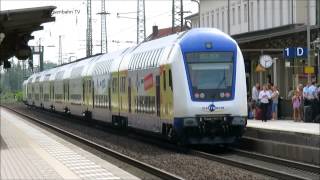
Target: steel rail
x,y
250,167
124,158
253,168
293,164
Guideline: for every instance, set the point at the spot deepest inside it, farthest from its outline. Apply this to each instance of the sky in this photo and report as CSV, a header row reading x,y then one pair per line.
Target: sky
x,y
71,26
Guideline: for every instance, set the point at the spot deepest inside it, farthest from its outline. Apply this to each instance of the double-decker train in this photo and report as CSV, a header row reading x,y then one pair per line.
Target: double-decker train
x,y
188,87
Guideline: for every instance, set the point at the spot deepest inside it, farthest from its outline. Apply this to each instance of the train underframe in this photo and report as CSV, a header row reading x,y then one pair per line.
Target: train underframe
x,y
223,130
206,130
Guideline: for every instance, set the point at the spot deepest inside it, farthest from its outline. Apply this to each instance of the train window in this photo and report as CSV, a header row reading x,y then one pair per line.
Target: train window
x,y
141,60
151,58
123,84
101,98
170,79
164,80
160,55
113,85
136,61
135,64
83,90
156,59
148,60
149,105
145,60
107,101
138,104
131,60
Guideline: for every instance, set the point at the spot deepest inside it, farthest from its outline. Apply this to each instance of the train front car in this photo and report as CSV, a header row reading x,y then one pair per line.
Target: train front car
x,y
210,90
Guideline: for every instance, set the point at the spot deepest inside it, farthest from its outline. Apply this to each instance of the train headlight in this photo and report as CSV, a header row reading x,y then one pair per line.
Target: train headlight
x,y
190,122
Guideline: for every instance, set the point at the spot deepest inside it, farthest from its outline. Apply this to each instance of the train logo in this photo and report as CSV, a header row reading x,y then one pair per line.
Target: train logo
x,y
212,107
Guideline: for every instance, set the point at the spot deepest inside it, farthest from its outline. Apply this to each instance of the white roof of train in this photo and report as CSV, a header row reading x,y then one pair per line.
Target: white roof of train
x,y
148,54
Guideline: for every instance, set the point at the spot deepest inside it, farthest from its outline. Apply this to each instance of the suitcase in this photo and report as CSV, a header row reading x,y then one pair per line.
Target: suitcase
x,y
258,113
307,111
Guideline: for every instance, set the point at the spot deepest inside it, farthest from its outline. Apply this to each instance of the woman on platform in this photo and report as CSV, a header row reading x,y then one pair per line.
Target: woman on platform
x,y
264,97
296,102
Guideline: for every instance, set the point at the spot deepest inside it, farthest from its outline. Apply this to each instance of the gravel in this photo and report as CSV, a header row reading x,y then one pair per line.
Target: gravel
x,y
183,165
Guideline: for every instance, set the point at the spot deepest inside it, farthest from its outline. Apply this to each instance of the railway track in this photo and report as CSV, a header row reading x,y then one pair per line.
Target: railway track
x,y
267,165
141,165
258,163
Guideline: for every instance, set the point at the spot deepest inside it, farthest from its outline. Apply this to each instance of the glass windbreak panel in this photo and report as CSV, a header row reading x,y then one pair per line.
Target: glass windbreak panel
x,y
211,75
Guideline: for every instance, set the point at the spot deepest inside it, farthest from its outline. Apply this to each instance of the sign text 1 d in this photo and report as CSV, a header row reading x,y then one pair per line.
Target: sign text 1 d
x,y
295,52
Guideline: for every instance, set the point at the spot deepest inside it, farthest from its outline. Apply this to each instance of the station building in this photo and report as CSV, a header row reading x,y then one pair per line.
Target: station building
x,y
267,27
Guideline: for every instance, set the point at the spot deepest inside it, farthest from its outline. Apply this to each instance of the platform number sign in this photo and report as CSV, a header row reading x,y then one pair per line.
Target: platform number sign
x,y
295,52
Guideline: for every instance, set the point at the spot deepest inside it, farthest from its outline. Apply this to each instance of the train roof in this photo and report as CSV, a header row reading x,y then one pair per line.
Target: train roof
x,y
105,63
145,55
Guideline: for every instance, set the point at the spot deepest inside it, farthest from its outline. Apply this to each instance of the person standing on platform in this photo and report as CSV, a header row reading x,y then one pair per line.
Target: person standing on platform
x,y
275,97
255,98
269,113
264,97
301,108
306,95
296,102
312,94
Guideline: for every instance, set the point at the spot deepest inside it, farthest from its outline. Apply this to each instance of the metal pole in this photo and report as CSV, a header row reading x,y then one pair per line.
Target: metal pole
x,y
198,2
199,11
173,16
248,16
319,64
228,16
181,15
41,49
308,37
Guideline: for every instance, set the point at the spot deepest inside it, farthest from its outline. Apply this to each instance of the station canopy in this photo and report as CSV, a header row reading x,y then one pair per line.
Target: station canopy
x,y
16,27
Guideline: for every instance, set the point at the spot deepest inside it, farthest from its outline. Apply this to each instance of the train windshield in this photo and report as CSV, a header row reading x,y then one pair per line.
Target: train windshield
x,y
210,75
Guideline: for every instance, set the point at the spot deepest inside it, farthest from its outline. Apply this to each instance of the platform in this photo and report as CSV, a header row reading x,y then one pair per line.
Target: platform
x,y
287,139
29,152
286,125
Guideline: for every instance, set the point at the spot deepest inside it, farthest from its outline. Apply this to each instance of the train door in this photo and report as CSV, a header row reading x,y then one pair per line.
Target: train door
x,y
109,95
92,92
64,91
115,93
83,91
41,93
51,92
129,94
166,88
68,91
88,94
158,95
